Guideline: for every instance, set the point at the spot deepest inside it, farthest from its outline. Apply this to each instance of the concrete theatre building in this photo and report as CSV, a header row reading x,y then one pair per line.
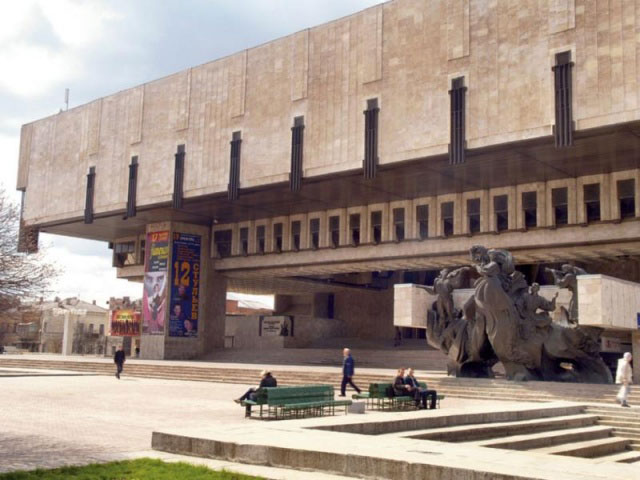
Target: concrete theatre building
x,y
329,165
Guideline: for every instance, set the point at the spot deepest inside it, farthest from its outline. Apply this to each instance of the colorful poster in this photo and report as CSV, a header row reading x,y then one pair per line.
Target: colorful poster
x,y
125,323
185,286
155,283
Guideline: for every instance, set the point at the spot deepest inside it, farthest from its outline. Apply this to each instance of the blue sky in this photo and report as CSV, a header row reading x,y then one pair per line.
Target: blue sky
x,y
98,47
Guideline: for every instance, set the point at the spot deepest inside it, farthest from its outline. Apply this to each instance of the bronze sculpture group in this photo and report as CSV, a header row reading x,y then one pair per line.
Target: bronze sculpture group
x,y
507,321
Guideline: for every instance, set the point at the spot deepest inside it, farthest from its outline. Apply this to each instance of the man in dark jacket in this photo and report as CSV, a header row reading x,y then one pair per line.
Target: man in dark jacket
x,y
400,388
266,381
348,369
119,359
420,393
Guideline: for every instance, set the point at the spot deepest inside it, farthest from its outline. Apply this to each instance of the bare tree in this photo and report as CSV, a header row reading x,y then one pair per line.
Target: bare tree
x,y
22,276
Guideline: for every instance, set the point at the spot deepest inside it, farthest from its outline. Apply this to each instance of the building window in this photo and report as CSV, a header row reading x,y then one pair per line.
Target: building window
x,y
143,246
124,254
331,305
563,129
376,226
90,328
530,209
370,161
354,229
473,214
446,210
133,185
277,237
334,231
233,189
101,330
178,177
88,203
560,206
457,135
295,235
627,197
592,202
244,241
501,209
422,218
297,141
260,238
222,243
314,230
398,224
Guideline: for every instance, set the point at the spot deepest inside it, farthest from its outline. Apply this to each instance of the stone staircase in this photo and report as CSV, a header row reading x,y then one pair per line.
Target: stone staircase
x,y
582,432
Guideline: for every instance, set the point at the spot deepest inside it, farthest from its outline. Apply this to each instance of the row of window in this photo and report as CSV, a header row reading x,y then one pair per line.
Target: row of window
x,y
559,205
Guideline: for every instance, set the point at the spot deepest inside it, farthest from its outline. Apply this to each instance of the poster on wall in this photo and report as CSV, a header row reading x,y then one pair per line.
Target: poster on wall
x,y
185,286
125,323
155,283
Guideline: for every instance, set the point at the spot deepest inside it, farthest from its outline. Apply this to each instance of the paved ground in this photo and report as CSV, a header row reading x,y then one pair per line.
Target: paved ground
x,y
48,421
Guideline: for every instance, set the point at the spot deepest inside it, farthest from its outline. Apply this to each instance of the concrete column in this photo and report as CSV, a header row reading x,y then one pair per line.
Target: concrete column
x,y
211,306
67,335
635,351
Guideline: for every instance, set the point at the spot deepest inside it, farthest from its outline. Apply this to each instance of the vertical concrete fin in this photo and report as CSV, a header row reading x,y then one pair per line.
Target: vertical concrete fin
x,y
238,83
135,106
457,29
562,15
26,134
371,44
299,64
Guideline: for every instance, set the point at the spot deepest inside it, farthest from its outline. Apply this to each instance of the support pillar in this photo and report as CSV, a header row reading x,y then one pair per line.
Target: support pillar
x,y
184,298
635,351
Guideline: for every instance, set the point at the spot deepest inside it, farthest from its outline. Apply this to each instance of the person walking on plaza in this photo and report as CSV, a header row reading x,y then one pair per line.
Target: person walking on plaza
x,y
266,381
624,376
348,369
119,359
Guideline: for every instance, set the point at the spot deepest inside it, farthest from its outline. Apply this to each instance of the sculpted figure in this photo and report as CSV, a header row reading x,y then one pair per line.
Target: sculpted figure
x,y
443,287
566,277
532,302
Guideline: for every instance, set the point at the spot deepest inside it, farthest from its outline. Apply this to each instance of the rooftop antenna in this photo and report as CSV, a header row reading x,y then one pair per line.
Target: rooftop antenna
x,y
66,98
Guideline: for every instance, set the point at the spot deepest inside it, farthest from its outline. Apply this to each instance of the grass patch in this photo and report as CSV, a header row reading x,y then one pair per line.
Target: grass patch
x,y
140,469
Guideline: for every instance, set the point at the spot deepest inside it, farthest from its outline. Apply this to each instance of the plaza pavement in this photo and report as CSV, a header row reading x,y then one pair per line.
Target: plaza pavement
x,y
54,418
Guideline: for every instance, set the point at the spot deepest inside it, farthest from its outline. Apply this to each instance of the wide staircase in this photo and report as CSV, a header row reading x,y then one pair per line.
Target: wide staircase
x,y
576,431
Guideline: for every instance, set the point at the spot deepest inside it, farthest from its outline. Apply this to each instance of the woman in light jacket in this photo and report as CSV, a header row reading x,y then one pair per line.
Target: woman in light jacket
x,y
624,376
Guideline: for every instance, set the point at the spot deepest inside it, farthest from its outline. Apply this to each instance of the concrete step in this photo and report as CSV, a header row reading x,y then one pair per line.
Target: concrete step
x,y
587,449
467,433
549,438
628,456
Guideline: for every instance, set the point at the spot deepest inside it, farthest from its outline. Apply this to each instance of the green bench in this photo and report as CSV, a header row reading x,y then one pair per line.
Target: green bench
x,y
296,402
378,398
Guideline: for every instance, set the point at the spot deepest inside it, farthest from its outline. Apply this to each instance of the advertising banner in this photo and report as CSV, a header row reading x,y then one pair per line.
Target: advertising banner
x,y
125,323
155,282
185,286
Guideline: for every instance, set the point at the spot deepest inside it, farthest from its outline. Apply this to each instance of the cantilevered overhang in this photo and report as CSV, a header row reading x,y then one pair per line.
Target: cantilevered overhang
x,y
601,150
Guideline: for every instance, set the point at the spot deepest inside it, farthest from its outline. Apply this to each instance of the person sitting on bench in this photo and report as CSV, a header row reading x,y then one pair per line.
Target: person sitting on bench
x,y
400,389
266,380
420,393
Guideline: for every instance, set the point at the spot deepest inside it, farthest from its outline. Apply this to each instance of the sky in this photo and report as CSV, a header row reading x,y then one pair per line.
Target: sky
x,y
98,47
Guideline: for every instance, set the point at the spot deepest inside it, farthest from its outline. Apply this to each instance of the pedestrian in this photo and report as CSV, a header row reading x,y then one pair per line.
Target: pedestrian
x,y
348,369
266,381
624,376
119,359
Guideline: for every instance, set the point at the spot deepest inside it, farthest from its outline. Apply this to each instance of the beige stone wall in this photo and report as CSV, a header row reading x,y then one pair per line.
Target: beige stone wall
x,y
608,302
405,52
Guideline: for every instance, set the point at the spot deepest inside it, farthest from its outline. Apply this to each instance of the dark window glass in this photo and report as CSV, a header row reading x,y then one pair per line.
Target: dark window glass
x,y
422,217
592,202
222,242
398,224
124,254
295,235
331,305
142,250
501,208
314,229
334,231
560,205
260,238
376,226
354,228
473,212
101,331
627,197
530,209
277,237
446,210
244,241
